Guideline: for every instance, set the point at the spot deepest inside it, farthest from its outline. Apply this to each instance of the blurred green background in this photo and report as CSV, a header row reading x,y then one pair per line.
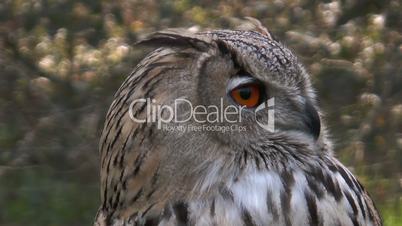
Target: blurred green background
x,y
62,60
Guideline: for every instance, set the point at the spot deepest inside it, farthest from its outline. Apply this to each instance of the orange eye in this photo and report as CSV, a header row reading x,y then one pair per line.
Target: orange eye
x,y
247,95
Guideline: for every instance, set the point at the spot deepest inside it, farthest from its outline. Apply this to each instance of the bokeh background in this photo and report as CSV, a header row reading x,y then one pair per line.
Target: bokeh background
x,y
62,60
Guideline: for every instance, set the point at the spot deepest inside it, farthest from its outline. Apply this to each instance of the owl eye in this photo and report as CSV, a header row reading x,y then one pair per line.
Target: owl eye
x,y
248,95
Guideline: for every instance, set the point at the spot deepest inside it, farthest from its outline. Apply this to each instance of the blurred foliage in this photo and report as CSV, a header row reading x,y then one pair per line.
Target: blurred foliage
x,y
62,60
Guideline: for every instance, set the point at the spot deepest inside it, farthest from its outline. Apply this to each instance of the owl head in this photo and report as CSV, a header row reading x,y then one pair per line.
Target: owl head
x,y
239,88
205,106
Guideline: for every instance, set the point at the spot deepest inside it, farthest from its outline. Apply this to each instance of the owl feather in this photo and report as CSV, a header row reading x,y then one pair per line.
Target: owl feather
x,y
151,175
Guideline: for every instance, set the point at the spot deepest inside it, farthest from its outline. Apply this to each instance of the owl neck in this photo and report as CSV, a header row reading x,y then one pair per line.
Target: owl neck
x,y
277,158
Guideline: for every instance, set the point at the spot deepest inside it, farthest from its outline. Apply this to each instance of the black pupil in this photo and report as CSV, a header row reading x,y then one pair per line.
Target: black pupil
x,y
245,93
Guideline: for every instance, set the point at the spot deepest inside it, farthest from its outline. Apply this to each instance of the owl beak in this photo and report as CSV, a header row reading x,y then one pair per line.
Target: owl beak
x,y
312,119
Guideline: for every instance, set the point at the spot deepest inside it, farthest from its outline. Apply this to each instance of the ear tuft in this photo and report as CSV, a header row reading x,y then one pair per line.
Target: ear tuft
x,y
175,38
259,27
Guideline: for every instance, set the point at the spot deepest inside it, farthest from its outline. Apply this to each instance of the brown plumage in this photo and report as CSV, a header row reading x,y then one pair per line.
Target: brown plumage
x,y
151,175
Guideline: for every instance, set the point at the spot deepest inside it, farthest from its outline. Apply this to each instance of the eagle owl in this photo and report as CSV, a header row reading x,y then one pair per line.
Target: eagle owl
x,y
210,158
